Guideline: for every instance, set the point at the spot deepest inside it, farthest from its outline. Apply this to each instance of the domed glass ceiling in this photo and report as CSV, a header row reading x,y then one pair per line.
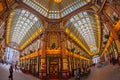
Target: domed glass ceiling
x,y
53,10
84,27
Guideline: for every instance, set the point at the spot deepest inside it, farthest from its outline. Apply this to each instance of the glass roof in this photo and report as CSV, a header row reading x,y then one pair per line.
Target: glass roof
x,y
53,10
85,28
23,26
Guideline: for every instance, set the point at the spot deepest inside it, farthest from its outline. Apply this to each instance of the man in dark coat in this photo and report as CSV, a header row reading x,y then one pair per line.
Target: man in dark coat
x,y
11,73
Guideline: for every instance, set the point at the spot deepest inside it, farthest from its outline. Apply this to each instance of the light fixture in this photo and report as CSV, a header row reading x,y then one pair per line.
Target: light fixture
x,y
57,1
91,46
14,47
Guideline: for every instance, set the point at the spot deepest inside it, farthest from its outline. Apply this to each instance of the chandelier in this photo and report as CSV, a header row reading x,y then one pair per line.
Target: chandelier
x,y
57,1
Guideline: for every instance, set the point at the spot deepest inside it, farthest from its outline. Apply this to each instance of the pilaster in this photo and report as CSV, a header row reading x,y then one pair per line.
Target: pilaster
x,y
43,72
65,69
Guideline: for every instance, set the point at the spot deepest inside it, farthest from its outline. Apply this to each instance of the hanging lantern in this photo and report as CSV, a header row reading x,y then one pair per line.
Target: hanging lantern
x,y
104,42
118,34
115,18
1,39
106,36
57,1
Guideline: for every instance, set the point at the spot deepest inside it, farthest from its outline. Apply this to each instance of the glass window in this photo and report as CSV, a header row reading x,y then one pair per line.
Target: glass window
x,y
79,22
76,17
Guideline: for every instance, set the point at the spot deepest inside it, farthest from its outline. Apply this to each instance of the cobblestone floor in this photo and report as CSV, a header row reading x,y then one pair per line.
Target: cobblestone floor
x,y
108,72
18,75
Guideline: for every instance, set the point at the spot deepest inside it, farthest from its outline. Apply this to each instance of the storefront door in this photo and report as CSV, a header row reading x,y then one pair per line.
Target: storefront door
x,y
54,66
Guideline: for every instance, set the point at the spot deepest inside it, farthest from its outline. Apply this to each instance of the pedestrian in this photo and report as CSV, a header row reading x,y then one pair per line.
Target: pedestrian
x,y
78,73
113,60
11,73
118,60
16,67
72,72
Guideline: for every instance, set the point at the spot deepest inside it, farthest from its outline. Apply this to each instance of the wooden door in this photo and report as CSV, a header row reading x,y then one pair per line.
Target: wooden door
x,y
54,68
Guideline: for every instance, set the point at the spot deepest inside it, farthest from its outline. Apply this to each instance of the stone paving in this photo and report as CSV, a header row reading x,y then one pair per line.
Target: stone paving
x,y
17,75
108,72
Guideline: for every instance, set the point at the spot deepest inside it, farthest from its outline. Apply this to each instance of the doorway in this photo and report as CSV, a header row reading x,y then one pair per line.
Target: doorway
x,y
54,66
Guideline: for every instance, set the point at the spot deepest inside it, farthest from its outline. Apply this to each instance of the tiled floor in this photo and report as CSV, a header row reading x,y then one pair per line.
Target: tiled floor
x,y
108,72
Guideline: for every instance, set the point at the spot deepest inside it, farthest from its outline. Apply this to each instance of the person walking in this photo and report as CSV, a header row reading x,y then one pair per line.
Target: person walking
x,y
16,67
113,60
11,73
78,71
118,60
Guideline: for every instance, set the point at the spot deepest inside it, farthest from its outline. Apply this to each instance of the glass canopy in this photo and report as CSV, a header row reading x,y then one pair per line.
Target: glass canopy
x,y
23,27
84,28
53,10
